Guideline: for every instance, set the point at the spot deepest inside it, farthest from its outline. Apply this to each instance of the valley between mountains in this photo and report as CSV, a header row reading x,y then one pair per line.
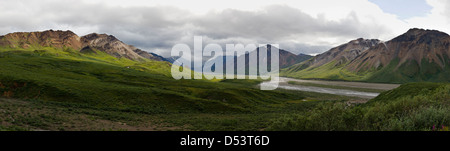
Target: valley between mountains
x,y
57,80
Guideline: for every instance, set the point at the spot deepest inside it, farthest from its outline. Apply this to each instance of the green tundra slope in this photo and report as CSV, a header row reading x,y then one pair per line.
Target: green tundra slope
x,y
394,72
52,75
328,71
410,107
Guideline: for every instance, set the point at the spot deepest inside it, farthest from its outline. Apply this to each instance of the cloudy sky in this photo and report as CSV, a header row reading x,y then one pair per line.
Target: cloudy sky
x,y
300,26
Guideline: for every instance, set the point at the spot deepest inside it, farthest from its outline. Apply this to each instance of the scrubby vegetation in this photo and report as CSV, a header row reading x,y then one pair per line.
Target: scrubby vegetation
x,y
411,107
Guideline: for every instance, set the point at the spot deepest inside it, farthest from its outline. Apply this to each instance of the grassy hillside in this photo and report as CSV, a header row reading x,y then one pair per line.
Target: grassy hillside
x,y
104,81
392,73
412,71
411,107
329,71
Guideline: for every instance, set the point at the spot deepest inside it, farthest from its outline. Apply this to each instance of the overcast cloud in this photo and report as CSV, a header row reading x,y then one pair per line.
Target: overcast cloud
x,y
308,27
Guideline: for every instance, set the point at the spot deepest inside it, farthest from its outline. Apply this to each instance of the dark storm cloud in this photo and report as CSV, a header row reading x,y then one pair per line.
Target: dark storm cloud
x,y
157,29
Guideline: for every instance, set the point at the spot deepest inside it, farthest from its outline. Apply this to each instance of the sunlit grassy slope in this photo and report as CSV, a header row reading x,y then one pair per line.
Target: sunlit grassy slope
x,y
328,71
410,71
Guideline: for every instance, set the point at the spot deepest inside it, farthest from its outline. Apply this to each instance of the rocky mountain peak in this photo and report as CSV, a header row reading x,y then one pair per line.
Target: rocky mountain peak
x,y
344,53
94,36
110,45
365,43
420,35
68,39
48,38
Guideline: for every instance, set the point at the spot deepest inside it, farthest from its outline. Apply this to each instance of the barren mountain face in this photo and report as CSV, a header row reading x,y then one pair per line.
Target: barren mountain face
x,y
415,45
68,39
110,45
343,53
49,38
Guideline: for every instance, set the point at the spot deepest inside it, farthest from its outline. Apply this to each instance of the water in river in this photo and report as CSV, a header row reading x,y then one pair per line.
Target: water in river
x,y
283,84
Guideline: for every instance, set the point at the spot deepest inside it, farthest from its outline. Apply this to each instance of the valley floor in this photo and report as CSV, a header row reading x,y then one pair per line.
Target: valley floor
x,y
67,90
36,115
378,86
352,89
40,116
417,106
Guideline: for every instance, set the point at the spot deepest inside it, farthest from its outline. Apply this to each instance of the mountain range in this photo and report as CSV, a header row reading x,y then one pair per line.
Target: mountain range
x,y
102,42
286,59
417,55
69,40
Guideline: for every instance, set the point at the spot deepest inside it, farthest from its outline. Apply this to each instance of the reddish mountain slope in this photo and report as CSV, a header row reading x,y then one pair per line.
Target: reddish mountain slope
x,y
68,39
